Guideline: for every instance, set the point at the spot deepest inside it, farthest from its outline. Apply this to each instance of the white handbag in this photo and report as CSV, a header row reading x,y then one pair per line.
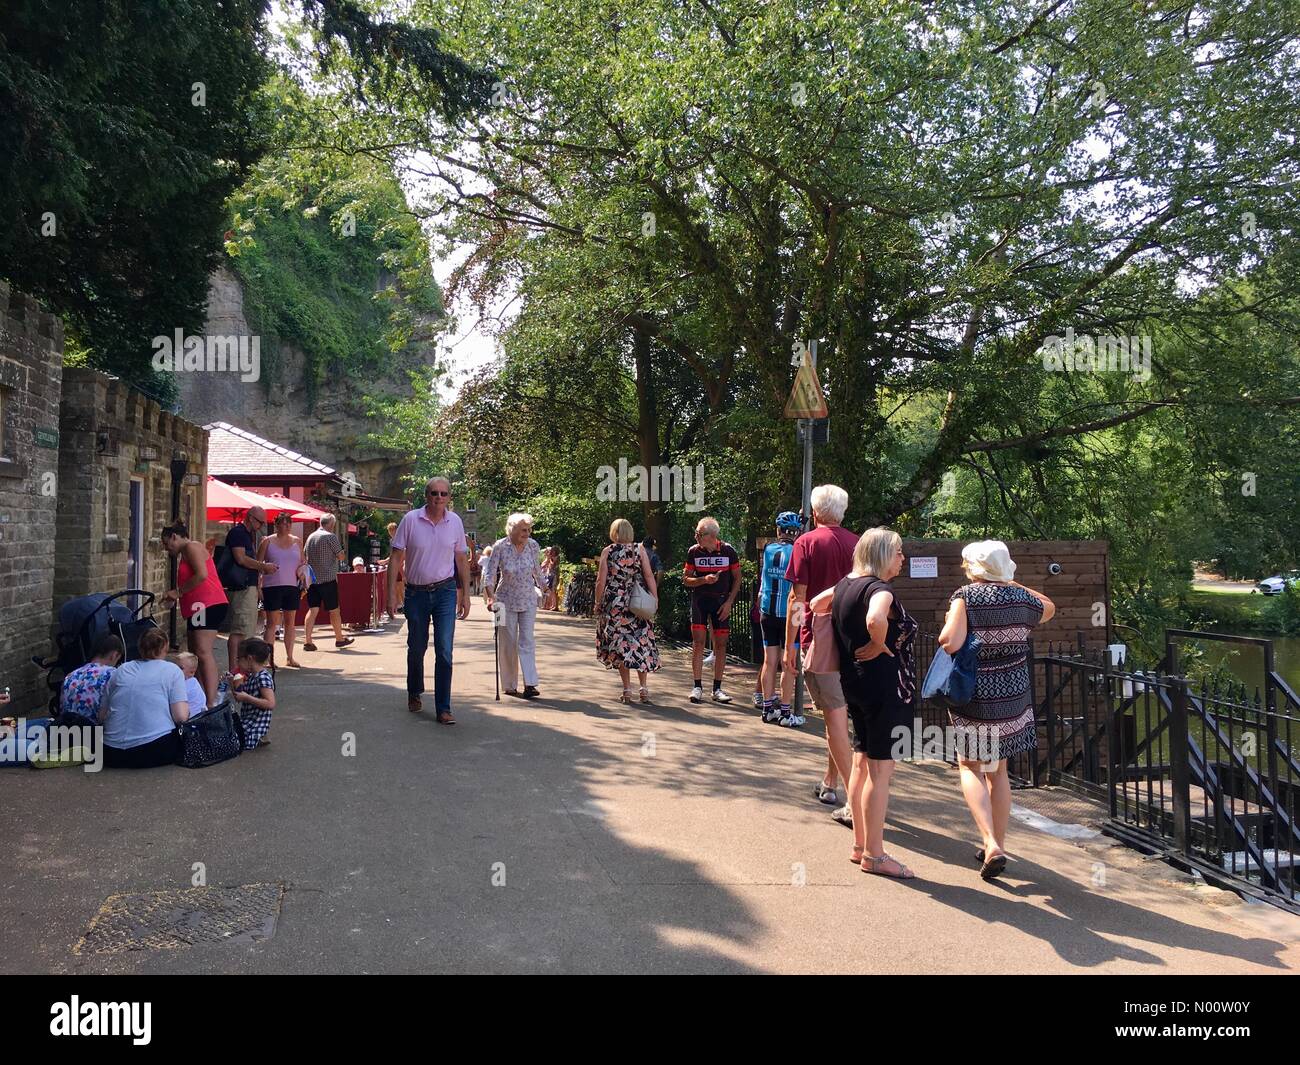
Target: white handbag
x,y
640,601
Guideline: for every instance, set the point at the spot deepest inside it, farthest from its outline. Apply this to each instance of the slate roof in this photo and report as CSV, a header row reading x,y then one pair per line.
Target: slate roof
x,y
234,452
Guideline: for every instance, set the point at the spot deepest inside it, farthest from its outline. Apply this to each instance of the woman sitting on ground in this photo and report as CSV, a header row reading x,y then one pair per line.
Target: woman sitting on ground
x,y
83,688
143,703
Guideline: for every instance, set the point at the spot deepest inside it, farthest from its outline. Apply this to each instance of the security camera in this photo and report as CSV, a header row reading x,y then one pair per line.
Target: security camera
x,y
1053,568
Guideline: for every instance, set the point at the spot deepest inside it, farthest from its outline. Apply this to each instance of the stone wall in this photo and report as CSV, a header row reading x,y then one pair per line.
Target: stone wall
x,y
31,367
111,436
332,429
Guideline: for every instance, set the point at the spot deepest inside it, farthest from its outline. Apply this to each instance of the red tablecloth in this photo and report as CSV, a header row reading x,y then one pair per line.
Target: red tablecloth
x,y
355,599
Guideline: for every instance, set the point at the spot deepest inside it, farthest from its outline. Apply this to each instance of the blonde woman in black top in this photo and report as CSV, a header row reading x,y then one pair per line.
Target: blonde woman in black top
x,y
873,634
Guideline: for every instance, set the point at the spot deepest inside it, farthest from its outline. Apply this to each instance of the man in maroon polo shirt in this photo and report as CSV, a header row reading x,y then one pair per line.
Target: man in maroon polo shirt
x,y
817,562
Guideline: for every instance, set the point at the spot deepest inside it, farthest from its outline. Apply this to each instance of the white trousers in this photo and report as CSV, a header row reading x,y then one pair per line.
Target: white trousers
x,y
517,646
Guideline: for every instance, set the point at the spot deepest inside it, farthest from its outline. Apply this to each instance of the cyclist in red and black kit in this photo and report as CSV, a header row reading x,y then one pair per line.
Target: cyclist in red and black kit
x,y
713,576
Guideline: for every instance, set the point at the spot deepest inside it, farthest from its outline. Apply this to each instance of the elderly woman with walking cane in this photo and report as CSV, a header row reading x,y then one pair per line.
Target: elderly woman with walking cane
x,y
514,583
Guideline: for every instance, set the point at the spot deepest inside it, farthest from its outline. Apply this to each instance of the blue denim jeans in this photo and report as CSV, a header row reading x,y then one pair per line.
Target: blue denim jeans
x,y
422,608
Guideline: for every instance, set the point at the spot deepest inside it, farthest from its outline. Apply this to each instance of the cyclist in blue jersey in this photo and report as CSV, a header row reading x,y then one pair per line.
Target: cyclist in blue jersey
x,y
774,593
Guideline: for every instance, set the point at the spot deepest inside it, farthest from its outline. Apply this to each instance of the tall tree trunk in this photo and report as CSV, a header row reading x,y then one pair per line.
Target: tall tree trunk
x,y
654,512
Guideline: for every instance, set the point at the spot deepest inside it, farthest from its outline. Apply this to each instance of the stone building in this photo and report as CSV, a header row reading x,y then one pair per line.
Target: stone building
x,y
31,373
90,471
126,468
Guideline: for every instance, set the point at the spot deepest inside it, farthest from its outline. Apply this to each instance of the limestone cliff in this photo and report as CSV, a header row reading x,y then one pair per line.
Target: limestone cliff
x,y
330,426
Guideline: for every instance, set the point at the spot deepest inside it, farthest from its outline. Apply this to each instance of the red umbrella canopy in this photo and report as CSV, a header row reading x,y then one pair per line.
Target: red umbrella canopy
x,y
228,502
299,510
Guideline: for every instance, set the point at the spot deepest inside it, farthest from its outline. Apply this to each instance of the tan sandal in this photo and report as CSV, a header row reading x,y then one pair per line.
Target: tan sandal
x,y
626,697
856,856
645,694
904,873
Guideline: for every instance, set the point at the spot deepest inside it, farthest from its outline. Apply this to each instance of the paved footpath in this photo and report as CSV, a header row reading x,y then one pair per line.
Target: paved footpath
x,y
671,838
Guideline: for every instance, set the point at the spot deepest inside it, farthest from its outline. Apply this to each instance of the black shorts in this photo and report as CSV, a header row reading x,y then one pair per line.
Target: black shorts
x,y
704,612
325,594
214,616
281,597
874,725
774,631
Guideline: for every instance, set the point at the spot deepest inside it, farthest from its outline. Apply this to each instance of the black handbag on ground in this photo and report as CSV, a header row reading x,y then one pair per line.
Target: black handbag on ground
x,y
214,736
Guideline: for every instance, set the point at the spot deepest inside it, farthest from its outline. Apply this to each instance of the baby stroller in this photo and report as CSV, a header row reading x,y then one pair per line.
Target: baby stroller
x,y
82,620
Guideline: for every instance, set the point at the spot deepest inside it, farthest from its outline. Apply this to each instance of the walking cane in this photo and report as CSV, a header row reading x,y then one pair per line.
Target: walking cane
x,y
496,646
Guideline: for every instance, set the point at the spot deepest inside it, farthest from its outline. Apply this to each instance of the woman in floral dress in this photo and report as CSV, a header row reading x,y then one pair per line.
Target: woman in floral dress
x,y
624,641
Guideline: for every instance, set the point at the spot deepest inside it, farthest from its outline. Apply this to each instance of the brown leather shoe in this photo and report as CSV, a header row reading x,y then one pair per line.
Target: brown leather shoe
x,y
445,718
413,704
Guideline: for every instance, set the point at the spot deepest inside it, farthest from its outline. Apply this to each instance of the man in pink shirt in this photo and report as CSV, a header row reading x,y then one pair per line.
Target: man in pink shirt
x,y
429,549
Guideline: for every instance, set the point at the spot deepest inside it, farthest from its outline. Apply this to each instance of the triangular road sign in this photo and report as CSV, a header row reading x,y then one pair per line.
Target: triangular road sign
x,y
806,399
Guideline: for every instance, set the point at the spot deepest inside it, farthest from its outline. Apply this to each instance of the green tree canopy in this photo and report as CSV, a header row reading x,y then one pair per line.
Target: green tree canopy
x,y
127,125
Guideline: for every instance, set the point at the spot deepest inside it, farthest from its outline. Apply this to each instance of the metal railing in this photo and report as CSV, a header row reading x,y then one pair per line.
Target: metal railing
x,y
1205,774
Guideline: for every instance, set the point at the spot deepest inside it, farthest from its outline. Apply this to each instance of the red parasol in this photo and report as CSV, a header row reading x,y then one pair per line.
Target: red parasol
x,y
228,502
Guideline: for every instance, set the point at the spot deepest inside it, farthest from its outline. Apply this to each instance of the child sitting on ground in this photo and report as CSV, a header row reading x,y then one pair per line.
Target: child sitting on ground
x,y
253,688
83,688
189,665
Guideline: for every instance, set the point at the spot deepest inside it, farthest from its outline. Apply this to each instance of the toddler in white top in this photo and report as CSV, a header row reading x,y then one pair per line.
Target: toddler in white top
x,y
189,665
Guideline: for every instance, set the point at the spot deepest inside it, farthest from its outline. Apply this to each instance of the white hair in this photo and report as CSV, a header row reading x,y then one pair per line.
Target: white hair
x,y
707,526
830,501
328,521
517,519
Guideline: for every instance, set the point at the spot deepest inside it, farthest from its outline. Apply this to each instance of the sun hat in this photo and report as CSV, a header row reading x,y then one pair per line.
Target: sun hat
x,y
989,560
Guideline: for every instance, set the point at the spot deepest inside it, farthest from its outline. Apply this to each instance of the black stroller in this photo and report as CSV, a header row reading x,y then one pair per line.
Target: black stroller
x,y
82,620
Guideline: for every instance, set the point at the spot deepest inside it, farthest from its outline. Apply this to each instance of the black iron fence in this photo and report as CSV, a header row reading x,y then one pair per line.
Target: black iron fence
x,y
1202,773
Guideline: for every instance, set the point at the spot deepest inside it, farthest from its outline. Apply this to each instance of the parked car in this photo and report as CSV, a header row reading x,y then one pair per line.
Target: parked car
x,y
1275,585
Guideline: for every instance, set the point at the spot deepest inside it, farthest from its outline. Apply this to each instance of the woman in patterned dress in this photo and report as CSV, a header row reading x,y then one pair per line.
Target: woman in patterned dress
x,y
999,720
624,641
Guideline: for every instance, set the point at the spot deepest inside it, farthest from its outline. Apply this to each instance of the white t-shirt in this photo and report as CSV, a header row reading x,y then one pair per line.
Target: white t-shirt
x,y
139,697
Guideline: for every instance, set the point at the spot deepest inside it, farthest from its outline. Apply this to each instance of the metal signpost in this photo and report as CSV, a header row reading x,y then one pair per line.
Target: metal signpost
x,y
807,403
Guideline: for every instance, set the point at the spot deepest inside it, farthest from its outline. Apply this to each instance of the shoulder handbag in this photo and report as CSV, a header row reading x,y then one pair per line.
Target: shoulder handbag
x,y
950,680
233,576
214,736
821,655
639,600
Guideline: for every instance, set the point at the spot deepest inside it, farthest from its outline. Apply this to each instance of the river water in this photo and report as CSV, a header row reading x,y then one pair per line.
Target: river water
x,y
1247,662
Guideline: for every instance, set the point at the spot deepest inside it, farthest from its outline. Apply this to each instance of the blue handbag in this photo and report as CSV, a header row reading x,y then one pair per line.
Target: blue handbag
x,y
950,680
